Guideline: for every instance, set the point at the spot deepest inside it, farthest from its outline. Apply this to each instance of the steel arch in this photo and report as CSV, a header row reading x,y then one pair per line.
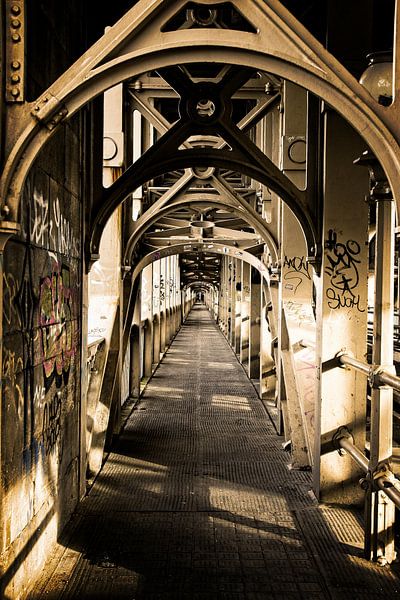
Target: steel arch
x,y
137,44
209,200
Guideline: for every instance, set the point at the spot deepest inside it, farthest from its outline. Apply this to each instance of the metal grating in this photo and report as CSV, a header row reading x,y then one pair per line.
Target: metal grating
x,y
197,500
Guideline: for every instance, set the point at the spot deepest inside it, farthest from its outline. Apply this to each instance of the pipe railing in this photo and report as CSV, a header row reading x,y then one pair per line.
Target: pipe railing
x,y
385,482
377,375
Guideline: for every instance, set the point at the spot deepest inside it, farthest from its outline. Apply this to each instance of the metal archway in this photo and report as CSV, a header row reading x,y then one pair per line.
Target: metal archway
x,y
218,250
146,221
139,43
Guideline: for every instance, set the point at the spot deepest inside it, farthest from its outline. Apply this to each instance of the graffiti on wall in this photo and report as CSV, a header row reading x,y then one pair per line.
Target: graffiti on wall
x,y
162,289
41,327
12,365
48,226
57,326
51,429
342,267
297,270
299,312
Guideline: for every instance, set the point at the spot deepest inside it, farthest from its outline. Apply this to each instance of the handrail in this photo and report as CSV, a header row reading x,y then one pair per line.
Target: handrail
x,y
377,374
386,482
355,453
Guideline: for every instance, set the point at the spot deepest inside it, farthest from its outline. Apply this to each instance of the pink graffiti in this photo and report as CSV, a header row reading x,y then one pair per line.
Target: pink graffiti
x,y
58,327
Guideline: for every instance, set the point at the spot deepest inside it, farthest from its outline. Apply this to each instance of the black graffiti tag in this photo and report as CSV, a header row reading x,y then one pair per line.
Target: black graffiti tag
x,y
51,423
342,267
297,269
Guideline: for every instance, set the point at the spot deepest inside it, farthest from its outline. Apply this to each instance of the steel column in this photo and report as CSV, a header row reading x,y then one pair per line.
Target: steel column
x,y
255,329
232,294
342,312
238,304
163,317
245,316
380,512
156,312
147,317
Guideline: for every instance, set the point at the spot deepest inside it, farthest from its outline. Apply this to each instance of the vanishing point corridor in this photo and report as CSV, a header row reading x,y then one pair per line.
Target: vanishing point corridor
x,y
196,500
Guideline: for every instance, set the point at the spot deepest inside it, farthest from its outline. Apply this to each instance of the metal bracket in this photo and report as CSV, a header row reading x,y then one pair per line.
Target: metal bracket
x,y
373,376
379,185
384,471
342,432
50,111
15,51
341,353
375,372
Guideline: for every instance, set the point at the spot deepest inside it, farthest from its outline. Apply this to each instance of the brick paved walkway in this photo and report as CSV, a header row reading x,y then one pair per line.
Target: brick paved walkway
x,y
196,501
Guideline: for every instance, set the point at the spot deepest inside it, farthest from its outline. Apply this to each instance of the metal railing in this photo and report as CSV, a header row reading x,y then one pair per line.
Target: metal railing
x,y
376,374
383,477
386,481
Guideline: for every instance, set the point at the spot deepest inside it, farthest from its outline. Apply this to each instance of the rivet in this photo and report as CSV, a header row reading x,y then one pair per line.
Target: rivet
x,y
36,108
16,37
15,65
15,9
15,78
15,23
15,92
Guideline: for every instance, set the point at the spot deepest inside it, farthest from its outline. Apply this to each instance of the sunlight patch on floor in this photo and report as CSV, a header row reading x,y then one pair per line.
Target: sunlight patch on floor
x,y
231,402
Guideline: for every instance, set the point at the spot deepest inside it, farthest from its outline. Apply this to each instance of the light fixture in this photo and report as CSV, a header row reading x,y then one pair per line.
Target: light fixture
x,y
378,76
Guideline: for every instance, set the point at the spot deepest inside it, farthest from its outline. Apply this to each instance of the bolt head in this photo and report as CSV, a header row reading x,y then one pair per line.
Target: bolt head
x,y
16,37
15,9
15,65
15,92
15,23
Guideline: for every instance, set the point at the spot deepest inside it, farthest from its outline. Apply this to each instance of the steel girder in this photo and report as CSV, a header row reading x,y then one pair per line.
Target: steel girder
x,y
138,43
165,156
218,250
241,209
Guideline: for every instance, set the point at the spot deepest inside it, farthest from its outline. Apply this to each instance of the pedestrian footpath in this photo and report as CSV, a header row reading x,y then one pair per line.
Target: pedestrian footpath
x,y
196,500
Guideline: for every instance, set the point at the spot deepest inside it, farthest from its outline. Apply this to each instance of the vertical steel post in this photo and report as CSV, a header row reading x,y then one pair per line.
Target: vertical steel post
x,y
163,292
4,237
342,312
245,316
147,316
379,509
232,334
379,534
156,312
255,329
238,304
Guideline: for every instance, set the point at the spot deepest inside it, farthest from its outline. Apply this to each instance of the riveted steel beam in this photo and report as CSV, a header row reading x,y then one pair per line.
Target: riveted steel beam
x,y
15,51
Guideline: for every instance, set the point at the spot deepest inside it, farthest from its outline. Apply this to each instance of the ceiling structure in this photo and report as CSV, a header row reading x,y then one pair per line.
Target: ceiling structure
x,y
201,203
